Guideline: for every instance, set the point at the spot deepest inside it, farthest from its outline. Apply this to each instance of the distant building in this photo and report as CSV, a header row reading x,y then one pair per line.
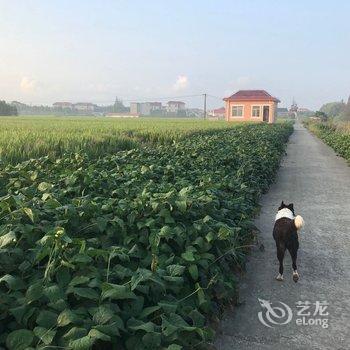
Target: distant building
x,y
251,105
63,105
194,112
294,107
293,110
174,107
134,107
304,110
145,108
122,115
84,106
218,113
282,112
156,107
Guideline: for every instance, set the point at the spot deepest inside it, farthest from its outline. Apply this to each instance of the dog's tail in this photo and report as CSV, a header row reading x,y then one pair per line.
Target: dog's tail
x,y
298,222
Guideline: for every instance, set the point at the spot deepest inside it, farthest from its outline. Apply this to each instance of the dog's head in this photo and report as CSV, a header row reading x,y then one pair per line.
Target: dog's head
x,y
288,206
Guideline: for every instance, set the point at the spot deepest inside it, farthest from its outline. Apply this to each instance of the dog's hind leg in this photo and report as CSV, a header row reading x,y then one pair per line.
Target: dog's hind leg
x,y
293,253
280,256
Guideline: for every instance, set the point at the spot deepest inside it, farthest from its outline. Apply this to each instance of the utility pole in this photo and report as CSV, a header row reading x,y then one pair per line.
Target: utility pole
x,y
205,106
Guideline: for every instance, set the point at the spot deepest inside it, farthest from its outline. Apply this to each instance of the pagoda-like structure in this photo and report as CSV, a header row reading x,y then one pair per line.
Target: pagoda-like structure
x,y
293,110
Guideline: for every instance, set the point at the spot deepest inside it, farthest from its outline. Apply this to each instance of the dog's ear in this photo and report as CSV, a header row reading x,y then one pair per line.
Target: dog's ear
x,y
291,207
282,204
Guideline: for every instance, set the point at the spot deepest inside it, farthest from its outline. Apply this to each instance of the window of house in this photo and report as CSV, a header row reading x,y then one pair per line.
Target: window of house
x,y
255,111
237,111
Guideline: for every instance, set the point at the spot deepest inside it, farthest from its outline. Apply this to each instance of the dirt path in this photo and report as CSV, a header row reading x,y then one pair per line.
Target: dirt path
x,y
318,183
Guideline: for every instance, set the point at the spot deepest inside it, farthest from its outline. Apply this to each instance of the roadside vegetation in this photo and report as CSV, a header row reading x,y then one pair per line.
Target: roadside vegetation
x,y
132,250
332,124
337,111
336,135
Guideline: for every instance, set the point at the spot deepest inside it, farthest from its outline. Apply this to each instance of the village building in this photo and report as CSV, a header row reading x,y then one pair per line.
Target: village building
x,y
283,112
251,105
218,113
85,106
122,115
175,106
194,112
63,105
145,108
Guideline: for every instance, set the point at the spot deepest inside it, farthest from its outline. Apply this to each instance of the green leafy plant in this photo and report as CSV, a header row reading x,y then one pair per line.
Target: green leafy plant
x,y
134,250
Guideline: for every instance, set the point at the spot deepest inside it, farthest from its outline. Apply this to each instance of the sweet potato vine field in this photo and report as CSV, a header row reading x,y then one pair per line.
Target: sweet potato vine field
x,y
134,250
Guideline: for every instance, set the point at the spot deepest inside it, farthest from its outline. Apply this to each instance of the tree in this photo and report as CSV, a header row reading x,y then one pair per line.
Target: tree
x,y
7,109
118,106
346,113
333,109
322,115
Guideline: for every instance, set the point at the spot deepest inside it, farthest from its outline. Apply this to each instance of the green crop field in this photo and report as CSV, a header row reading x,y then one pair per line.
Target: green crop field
x,y
105,245
23,138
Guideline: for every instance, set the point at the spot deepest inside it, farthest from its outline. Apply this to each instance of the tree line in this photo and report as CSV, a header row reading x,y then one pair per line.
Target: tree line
x,y
338,110
24,109
7,109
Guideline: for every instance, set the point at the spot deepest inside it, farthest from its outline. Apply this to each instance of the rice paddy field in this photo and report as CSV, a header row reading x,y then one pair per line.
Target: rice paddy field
x,y
126,234
23,138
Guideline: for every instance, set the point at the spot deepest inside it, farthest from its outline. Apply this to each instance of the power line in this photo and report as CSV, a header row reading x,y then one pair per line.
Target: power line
x,y
163,98
154,98
219,98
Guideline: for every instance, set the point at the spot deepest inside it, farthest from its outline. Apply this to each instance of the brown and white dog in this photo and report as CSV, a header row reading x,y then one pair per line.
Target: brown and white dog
x,y
285,234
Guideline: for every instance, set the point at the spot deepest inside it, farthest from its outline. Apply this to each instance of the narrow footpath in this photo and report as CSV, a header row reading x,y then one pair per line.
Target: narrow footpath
x,y
317,181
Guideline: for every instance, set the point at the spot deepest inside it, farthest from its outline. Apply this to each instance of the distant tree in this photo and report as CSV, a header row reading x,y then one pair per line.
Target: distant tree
x,y
333,109
24,109
118,106
346,113
322,115
7,109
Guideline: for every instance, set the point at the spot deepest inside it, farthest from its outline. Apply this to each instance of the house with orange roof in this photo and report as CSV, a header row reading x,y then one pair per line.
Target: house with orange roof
x,y
251,105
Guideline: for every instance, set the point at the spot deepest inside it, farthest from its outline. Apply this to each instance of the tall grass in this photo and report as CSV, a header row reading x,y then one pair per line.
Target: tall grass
x,y
343,127
22,138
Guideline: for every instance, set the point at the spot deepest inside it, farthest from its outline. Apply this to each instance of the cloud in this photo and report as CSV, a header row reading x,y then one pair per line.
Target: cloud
x,y
181,83
27,84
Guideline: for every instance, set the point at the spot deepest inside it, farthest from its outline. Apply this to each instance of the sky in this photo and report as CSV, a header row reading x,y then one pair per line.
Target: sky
x,y
95,50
